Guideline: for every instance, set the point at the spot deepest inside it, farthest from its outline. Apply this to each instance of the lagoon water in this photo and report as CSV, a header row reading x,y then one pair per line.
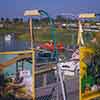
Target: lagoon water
x,y
13,44
12,68
18,45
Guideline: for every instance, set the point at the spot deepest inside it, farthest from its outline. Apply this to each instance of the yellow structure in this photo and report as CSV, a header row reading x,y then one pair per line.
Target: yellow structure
x,y
86,52
87,15
91,95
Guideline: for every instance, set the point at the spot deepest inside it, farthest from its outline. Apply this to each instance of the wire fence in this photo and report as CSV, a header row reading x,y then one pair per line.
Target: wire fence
x,y
71,90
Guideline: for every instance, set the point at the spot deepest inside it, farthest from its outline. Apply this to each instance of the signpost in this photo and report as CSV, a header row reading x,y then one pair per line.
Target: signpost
x,y
31,13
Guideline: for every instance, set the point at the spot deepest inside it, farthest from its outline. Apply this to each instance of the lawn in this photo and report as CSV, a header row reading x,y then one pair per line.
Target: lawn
x,y
45,35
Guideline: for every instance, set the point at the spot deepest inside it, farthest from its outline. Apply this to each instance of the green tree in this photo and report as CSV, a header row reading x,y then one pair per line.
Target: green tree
x,y
2,19
15,20
60,18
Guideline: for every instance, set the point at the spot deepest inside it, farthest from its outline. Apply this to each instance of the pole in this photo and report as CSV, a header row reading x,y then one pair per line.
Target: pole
x,y
31,32
80,40
61,82
33,59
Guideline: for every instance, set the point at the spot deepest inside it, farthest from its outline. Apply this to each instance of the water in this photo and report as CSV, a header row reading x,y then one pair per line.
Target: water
x,y
12,68
16,45
13,44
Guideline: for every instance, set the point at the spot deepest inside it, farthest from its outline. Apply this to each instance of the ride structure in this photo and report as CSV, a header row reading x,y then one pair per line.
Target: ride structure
x,y
88,87
32,51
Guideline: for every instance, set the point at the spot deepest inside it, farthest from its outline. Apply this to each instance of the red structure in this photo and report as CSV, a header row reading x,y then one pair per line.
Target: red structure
x,y
50,46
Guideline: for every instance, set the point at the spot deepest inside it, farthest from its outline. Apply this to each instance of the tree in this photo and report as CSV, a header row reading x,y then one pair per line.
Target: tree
x,y
60,18
45,20
35,22
15,20
21,20
7,20
2,19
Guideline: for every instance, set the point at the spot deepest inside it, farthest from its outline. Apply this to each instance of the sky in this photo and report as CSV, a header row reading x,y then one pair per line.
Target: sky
x,y
16,8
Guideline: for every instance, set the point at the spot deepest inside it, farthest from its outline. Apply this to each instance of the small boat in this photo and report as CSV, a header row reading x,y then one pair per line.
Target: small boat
x,y
8,37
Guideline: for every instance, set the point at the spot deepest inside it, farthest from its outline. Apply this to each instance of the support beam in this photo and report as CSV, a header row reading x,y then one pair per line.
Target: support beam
x,y
33,75
16,52
91,95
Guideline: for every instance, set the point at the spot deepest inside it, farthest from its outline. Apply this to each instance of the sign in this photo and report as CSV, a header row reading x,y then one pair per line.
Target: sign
x,y
31,13
87,15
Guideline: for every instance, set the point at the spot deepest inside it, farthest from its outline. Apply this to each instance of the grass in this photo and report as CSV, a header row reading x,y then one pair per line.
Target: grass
x,y
44,35
7,30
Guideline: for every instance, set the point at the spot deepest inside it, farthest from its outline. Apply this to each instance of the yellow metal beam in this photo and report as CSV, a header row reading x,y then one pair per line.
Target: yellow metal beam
x,y
45,70
91,95
16,52
33,75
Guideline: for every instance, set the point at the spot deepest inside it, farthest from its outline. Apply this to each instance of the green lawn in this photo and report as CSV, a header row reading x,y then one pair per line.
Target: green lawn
x,y
45,35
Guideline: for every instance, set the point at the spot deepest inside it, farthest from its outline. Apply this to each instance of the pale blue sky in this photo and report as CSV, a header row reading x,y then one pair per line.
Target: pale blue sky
x,y
15,8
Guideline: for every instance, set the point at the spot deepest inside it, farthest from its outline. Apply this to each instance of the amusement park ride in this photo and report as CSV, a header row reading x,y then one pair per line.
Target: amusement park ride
x,y
68,68
88,87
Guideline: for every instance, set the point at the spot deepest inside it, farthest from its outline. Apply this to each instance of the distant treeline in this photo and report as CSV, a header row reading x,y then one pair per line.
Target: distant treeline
x,y
36,20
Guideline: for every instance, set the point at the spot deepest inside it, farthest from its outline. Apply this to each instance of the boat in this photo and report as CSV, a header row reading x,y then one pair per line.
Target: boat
x,y
8,37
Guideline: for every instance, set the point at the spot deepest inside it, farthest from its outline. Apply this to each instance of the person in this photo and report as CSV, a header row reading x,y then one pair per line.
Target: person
x,y
18,79
75,55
